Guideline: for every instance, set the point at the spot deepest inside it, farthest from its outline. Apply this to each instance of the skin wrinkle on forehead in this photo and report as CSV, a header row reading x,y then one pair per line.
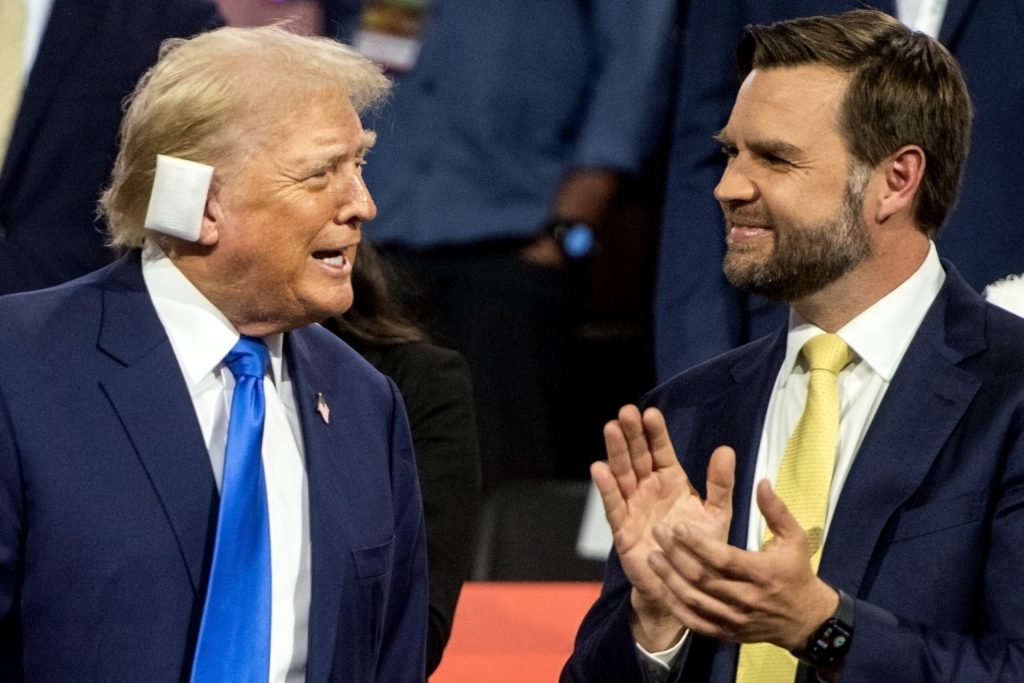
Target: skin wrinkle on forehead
x,y
260,125
327,160
813,78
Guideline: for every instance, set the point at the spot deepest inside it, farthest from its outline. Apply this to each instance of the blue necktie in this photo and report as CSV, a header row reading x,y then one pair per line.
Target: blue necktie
x,y
234,637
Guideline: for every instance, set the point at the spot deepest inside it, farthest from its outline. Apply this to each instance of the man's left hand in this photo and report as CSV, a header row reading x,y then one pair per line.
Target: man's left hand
x,y
724,592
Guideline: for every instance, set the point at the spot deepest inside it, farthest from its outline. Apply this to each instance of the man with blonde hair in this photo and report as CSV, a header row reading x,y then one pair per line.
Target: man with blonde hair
x,y
196,481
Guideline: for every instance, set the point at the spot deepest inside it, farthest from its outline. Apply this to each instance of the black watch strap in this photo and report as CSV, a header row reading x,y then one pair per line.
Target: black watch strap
x,y
830,642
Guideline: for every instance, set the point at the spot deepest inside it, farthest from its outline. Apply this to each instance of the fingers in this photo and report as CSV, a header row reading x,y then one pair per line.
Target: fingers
x,y
708,592
663,454
620,463
629,452
698,610
699,555
721,481
639,446
777,516
611,497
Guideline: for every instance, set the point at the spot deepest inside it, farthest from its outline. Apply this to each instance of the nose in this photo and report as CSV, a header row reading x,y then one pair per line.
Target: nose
x,y
355,202
735,186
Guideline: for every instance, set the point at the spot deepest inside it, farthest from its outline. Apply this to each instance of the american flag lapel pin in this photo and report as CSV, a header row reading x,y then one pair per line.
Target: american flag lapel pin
x,y
323,408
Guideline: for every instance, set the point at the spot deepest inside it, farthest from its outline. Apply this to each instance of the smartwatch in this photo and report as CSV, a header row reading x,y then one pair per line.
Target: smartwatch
x,y
830,642
575,238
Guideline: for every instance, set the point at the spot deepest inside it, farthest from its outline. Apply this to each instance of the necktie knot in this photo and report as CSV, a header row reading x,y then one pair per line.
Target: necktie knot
x,y
248,358
827,352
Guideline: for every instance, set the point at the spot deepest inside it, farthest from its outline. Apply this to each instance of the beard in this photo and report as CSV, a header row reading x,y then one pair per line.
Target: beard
x,y
805,258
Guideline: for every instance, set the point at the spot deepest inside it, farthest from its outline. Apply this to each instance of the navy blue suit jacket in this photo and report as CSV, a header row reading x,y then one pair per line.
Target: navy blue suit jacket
x,y
65,137
928,533
698,314
108,503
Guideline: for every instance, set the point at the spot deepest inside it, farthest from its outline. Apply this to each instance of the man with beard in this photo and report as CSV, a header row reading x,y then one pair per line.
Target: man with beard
x,y
861,515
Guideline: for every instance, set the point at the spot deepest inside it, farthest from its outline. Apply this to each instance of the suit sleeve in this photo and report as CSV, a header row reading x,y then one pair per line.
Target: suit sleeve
x,y
630,89
605,651
404,632
887,646
10,542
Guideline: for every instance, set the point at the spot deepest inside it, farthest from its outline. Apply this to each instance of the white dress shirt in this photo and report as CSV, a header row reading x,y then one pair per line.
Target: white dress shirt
x,y
37,15
201,337
879,337
922,15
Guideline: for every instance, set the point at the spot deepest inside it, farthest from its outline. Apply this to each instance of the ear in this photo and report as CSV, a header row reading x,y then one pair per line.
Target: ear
x,y
903,171
213,215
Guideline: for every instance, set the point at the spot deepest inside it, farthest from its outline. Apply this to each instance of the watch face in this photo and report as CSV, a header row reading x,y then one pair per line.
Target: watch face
x,y
578,240
829,644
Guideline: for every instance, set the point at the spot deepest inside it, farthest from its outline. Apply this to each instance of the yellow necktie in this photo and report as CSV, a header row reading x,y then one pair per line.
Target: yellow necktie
x,y
12,40
805,477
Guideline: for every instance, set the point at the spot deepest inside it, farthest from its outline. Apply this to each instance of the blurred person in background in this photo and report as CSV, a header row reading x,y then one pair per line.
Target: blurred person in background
x,y
65,68
438,396
510,132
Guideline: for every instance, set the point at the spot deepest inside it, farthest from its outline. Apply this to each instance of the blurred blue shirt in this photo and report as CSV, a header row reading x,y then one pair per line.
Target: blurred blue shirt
x,y
505,98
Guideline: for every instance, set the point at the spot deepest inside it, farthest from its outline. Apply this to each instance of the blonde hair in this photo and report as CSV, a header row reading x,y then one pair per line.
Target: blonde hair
x,y
212,99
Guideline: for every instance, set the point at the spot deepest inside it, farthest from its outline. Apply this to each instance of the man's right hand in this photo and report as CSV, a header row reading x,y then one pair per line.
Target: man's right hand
x,y
643,486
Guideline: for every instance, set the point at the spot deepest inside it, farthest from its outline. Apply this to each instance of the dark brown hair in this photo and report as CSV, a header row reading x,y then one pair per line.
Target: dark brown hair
x,y
378,316
905,88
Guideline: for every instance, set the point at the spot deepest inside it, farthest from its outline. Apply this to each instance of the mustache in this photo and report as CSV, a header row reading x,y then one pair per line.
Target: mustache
x,y
746,214
748,219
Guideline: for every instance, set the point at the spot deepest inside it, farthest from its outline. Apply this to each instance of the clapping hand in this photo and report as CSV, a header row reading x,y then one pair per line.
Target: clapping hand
x,y
643,486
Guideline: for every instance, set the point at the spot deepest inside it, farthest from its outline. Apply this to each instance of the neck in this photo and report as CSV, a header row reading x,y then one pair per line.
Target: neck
x,y
887,268
228,294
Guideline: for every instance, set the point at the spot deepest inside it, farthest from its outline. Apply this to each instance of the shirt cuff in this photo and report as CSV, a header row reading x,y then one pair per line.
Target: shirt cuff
x,y
658,664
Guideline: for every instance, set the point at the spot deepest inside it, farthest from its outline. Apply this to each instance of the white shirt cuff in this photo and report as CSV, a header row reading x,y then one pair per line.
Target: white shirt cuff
x,y
658,664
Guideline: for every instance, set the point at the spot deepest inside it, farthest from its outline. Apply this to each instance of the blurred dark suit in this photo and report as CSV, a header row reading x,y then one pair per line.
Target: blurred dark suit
x,y
65,136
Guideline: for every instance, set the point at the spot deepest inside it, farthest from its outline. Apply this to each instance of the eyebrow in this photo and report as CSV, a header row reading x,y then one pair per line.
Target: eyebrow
x,y
320,162
369,140
769,147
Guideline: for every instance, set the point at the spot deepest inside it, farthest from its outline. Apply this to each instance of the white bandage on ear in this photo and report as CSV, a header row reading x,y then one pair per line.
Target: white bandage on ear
x,y
178,200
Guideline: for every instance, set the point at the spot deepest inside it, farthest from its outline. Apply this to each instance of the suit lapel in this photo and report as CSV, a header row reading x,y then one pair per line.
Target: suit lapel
x,y
736,418
150,397
927,398
327,503
743,415
70,25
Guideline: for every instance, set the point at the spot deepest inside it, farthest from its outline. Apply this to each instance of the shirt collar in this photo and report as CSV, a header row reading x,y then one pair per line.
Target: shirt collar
x,y
881,334
199,333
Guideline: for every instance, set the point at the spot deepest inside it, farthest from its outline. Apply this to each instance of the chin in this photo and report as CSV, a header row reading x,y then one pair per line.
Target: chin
x,y
335,305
